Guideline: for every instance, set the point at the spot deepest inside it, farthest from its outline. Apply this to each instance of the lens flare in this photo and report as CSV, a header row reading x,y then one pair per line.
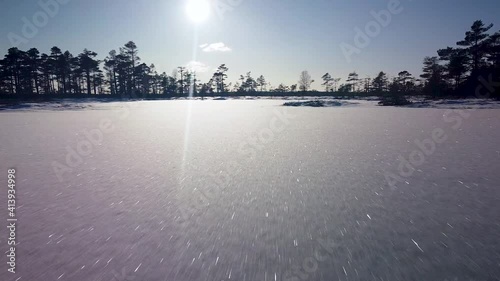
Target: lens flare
x,y
198,10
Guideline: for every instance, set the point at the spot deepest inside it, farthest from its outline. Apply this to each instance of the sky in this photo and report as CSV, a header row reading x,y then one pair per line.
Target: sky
x,y
274,38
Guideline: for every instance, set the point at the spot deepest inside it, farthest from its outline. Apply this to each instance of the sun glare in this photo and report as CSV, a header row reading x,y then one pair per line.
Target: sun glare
x,y
198,10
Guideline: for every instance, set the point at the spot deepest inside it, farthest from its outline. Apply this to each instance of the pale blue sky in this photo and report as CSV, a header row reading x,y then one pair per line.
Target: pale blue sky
x,y
276,38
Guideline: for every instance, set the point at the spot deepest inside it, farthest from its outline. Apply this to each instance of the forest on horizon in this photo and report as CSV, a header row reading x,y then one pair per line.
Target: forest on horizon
x,y
470,69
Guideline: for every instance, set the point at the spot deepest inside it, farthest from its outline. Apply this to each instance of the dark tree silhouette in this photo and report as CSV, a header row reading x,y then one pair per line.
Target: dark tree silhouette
x,y
248,83
327,82
181,70
353,80
89,66
475,43
32,60
433,75
220,77
380,82
405,82
110,65
261,82
129,52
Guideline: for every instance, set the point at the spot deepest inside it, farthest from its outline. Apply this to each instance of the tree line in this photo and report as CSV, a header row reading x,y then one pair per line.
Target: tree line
x,y
28,73
455,71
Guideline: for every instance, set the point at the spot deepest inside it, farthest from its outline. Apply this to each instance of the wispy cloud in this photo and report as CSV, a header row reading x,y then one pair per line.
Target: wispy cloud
x,y
215,47
197,66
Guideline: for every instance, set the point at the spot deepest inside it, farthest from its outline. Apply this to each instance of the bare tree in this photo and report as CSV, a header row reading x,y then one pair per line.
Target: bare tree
x,y
305,81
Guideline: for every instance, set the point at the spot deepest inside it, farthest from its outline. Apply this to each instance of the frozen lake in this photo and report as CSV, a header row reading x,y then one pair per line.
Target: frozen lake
x,y
251,190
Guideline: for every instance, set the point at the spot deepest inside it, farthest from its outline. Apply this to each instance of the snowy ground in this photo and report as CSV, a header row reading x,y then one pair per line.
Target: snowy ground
x,y
252,190
417,102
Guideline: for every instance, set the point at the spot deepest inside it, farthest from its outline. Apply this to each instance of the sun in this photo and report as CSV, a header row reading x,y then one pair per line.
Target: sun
x,y
198,10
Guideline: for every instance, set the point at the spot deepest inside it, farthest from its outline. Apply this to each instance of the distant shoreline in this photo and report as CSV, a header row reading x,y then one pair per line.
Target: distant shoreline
x,y
312,100
7,99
